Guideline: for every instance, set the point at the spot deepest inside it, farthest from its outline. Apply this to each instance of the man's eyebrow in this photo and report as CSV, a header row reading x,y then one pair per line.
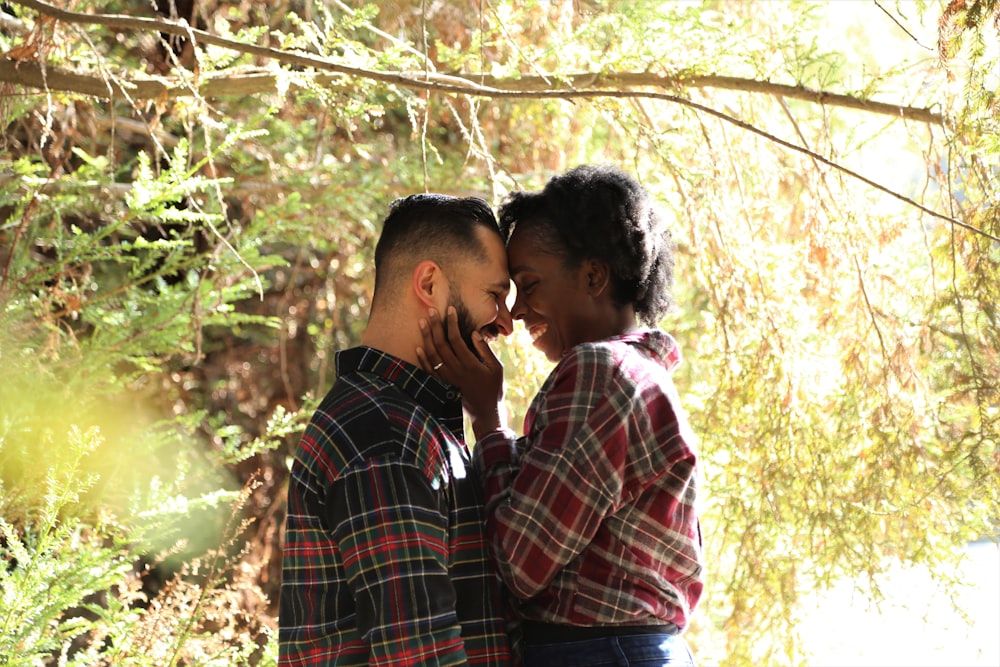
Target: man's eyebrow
x,y
502,284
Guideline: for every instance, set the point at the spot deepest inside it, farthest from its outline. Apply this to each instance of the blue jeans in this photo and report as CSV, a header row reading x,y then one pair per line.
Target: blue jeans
x,y
626,651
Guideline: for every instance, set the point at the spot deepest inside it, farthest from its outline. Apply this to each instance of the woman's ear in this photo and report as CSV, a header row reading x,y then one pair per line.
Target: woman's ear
x,y
428,283
597,275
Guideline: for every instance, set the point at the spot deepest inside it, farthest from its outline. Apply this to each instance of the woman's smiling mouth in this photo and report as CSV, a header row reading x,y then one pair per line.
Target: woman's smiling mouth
x,y
537,331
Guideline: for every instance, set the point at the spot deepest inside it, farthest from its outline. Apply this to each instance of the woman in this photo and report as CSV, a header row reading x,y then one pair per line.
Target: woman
x,y
591,514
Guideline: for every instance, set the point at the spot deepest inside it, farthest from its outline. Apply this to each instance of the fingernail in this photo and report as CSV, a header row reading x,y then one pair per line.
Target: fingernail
x,y
423,324
432,312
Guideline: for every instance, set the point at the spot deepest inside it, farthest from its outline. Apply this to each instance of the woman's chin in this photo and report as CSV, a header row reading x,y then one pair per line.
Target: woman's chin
x,y
550,351
539,340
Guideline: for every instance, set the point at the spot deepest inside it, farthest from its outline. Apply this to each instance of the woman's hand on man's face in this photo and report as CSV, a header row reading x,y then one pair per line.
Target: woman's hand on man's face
x,y
450,359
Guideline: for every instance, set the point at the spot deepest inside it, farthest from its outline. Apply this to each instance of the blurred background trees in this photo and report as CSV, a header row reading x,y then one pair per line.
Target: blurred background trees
x,y
189,197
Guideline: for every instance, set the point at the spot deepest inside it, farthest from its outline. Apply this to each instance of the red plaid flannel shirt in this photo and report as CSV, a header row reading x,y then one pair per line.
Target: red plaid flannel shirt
x,y
591,514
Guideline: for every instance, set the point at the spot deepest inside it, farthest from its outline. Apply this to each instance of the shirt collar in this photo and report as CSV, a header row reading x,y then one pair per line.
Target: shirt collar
x,y
442,400
660,344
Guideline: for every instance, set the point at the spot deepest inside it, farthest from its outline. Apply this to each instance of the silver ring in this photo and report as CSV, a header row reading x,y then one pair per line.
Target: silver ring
x,y
438,365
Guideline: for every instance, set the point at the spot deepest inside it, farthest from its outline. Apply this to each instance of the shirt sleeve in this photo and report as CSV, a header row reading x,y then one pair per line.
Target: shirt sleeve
x,y
495,459
544,507
393,537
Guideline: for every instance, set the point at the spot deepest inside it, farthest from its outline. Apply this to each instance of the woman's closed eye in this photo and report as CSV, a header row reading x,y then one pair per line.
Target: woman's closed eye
x,y
527,287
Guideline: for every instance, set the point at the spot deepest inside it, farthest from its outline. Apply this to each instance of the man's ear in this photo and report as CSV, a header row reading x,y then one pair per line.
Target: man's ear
x,y
597,276
428,283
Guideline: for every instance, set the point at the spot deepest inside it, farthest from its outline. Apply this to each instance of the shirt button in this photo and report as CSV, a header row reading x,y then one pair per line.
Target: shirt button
x,y
452,395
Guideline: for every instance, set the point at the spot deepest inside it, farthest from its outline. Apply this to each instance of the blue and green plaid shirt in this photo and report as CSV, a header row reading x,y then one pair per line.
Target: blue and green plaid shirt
x,y
385,562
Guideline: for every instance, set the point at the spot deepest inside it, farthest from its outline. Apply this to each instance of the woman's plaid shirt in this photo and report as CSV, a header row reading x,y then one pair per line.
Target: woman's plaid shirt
x,y
591,515
385,562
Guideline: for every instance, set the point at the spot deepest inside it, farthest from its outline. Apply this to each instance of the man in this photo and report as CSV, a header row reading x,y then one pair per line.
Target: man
x,y
385,562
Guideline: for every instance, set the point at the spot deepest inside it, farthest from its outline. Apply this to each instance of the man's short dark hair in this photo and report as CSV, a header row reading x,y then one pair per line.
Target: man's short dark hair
x,y
436,227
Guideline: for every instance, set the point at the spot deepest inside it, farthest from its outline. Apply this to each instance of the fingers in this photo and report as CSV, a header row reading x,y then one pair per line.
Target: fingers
x,y
445,343
436,354
485,351
456,344
444,355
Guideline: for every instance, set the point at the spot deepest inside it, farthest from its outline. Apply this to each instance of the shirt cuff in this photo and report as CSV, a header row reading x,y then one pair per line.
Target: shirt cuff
x,y
496,448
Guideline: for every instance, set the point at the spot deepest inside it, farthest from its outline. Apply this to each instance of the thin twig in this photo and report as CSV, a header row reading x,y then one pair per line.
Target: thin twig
x,y
903,27
12,250
871,313
425,119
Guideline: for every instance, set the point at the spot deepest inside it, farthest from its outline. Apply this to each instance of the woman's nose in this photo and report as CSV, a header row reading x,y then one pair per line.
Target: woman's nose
x,y
503,322
517,310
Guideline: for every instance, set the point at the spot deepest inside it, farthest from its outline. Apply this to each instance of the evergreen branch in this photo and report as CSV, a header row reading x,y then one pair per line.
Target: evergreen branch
x,y
481,85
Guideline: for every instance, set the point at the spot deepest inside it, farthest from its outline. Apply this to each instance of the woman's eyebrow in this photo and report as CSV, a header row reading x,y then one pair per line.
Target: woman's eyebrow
x,y
518,269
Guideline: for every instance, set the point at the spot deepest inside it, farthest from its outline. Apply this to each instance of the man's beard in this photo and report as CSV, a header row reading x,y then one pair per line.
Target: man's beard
x,y
466,327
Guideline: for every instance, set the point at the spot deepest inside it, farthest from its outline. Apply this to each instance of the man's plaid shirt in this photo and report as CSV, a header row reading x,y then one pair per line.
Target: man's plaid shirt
x,y
385,562
591,515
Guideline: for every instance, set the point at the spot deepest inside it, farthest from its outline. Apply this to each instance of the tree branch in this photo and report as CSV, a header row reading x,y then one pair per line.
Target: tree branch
x,y
619,80
32,74
479,85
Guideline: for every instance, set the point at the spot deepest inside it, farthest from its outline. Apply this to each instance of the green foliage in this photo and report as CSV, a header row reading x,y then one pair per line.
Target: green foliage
x,y
54,562
108,289
175,274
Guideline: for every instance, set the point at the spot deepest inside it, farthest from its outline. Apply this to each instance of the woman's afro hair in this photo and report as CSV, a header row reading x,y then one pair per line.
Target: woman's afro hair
x,y
602,213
